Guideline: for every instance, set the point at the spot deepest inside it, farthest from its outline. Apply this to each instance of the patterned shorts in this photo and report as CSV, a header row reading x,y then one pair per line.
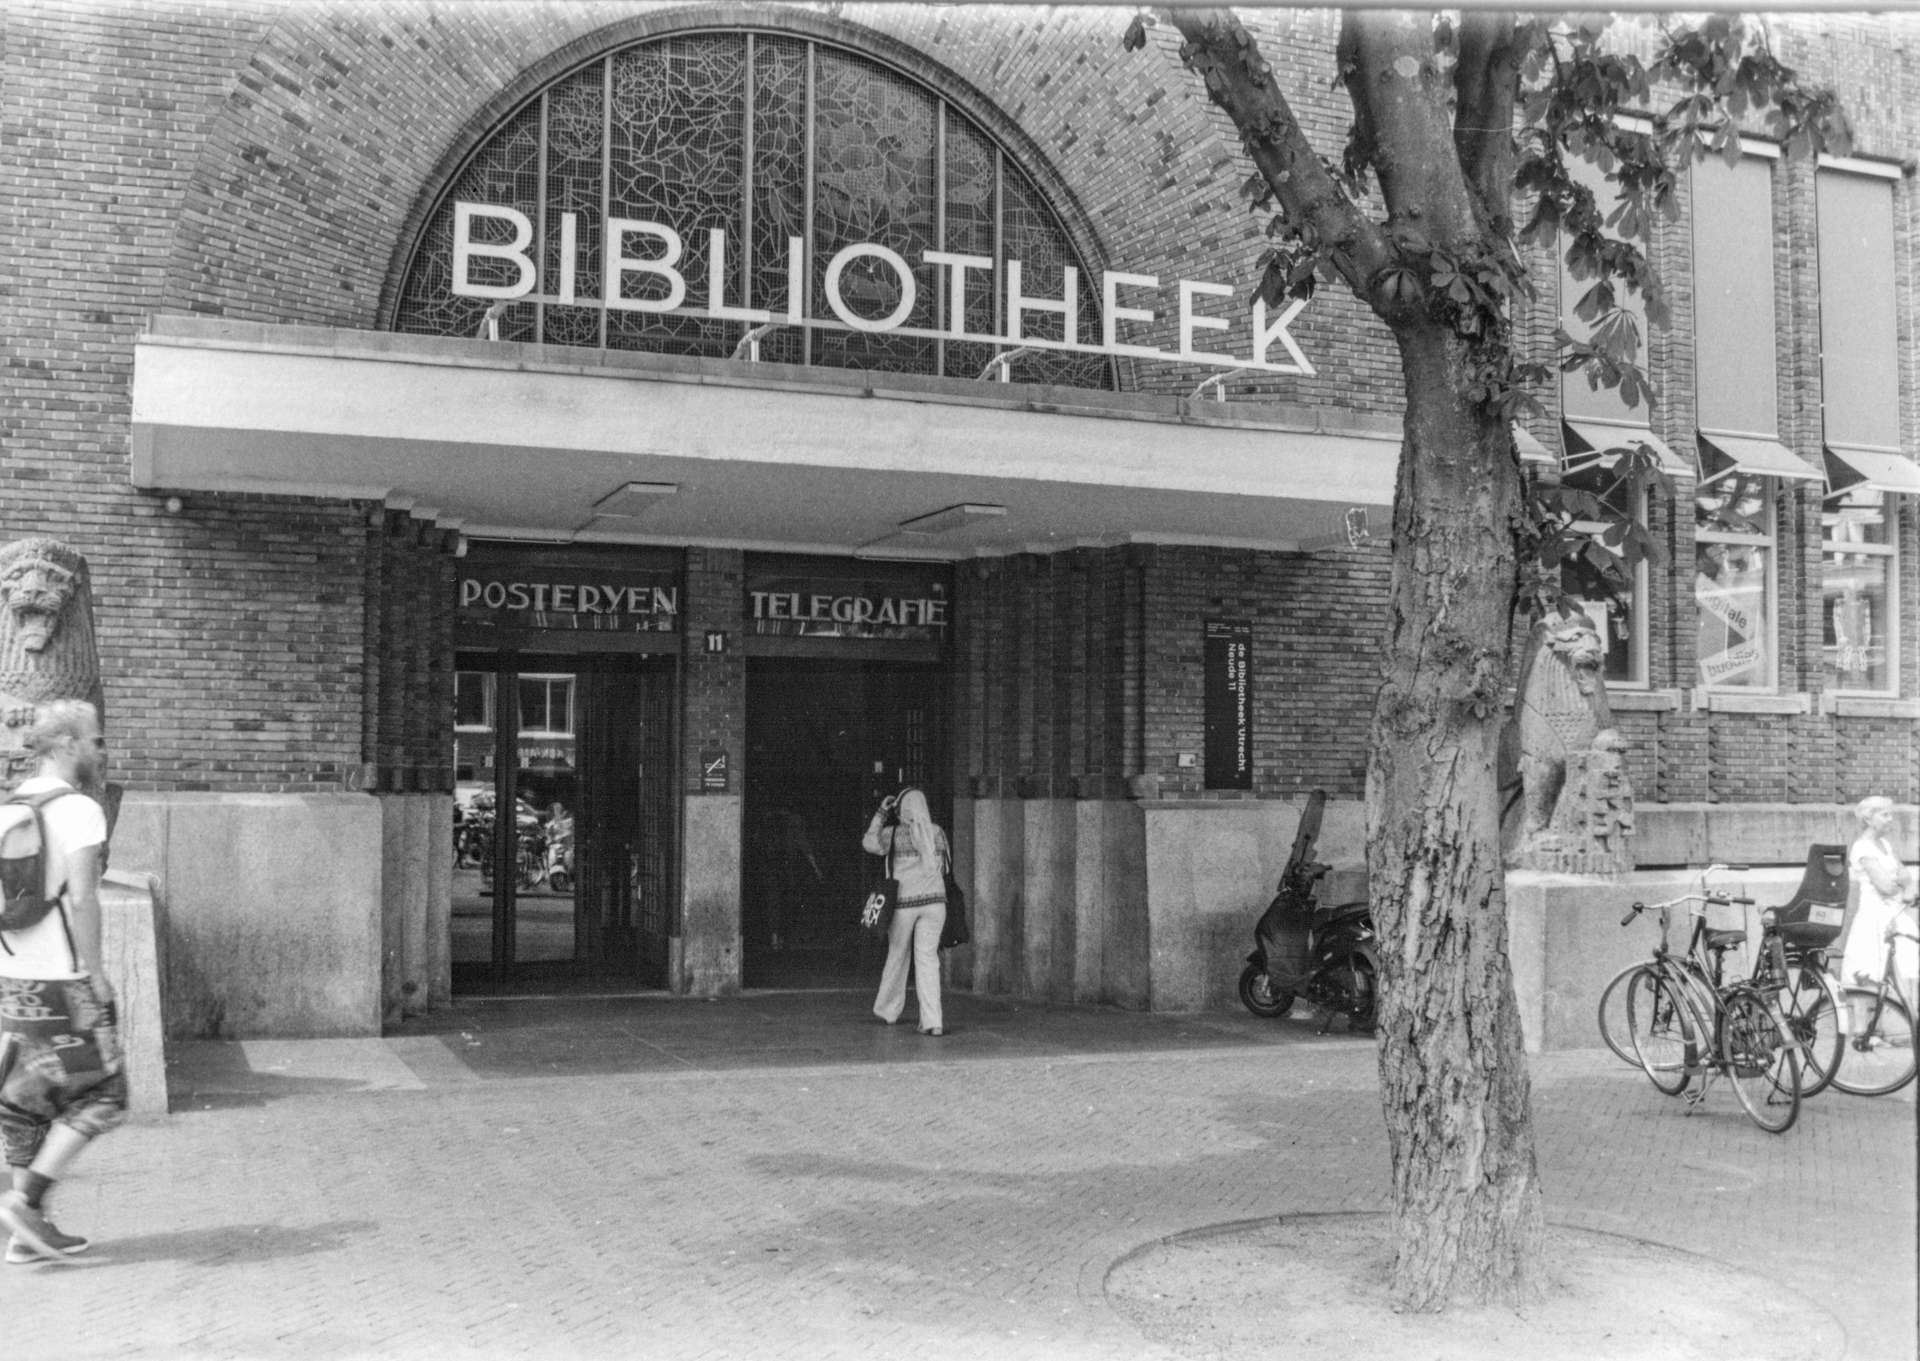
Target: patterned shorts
x,y
60,1062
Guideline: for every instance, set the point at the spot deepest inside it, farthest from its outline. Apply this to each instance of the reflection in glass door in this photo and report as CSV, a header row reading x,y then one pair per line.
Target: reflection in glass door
x,y
540,928
572,881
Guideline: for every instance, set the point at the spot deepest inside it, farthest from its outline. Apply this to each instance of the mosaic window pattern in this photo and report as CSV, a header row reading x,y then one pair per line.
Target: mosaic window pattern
x,y
509,175
767,137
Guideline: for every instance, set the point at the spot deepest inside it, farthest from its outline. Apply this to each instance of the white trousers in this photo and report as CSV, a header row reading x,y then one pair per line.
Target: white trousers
x,y
918,929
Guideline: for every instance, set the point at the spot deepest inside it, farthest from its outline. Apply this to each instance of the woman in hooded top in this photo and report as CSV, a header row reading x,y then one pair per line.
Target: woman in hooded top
x,y
903,829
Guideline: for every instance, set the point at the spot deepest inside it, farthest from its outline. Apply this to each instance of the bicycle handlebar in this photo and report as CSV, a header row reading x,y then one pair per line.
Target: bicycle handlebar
x,y
1723,899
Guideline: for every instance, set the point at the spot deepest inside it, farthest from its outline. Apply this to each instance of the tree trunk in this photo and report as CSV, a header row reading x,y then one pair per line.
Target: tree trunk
x,y
1454,1083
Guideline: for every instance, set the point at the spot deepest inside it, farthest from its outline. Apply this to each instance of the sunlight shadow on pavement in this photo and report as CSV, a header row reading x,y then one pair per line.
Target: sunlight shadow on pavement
x,y
226,1244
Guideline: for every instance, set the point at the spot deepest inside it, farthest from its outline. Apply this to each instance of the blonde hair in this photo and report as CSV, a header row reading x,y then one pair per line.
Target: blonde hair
x,y
1870,805
75,718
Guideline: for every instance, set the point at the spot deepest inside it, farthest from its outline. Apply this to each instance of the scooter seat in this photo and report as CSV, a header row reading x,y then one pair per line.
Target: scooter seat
x,y
1339,912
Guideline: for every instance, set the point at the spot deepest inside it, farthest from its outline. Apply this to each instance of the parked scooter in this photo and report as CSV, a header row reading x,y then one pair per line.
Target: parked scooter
x,y
560,852
1302,947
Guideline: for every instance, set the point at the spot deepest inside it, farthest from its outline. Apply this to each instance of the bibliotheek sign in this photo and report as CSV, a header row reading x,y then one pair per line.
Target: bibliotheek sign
x,y
663,249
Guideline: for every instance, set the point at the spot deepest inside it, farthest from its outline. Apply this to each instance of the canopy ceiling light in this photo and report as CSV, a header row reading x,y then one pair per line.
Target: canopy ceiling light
x,y
952,518
633,499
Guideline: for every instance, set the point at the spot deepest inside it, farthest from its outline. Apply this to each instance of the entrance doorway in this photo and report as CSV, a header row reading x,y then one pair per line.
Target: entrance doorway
x,y
826,740
564,824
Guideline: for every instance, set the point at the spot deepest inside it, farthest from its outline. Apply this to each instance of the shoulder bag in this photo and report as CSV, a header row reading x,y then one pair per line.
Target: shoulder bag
x,y
955,933
876,914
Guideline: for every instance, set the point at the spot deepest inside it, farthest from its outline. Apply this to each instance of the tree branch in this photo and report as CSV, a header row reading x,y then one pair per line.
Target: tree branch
x,y
1394,83
1225,56
1487,84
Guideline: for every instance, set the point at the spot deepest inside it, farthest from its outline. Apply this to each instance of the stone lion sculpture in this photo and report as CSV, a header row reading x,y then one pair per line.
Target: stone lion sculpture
x,y
1569,805
47,648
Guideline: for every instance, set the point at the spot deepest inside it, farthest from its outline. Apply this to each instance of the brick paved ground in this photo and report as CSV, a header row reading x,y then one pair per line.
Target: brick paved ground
x,y
778,1176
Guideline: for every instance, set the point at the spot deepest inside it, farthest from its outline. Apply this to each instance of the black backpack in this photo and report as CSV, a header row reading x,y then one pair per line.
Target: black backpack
x,y
24,900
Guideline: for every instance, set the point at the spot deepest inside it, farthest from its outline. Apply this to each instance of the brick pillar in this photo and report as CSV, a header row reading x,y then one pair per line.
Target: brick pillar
x,y
706,956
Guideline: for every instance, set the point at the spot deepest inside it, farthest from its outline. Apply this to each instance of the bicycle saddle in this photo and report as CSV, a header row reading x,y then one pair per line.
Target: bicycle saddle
x,y
1725,940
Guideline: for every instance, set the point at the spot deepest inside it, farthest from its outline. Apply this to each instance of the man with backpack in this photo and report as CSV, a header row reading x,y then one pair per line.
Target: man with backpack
x,y
62,1080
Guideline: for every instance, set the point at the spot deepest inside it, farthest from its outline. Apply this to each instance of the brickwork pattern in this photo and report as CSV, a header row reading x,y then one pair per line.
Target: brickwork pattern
x,y
408,699
715,683
273,163
1317,621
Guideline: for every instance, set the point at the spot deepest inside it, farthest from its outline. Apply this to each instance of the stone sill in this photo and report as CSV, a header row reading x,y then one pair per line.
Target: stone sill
x,y
1643,701
1731,702
1869,706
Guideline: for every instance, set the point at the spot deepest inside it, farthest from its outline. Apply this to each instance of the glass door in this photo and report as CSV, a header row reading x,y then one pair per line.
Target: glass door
x,y
563,840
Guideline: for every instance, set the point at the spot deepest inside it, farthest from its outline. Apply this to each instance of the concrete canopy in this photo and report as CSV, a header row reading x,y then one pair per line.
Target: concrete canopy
x,y
507,440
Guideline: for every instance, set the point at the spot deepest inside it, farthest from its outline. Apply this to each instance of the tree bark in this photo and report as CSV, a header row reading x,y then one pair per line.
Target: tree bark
x,y
1454,1083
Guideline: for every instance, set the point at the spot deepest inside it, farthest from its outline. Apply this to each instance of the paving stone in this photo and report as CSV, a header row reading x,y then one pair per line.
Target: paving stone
x,y
539,1195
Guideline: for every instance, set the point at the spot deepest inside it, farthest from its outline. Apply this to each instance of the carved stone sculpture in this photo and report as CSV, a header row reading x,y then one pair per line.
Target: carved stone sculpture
x,y
47,648
1563,764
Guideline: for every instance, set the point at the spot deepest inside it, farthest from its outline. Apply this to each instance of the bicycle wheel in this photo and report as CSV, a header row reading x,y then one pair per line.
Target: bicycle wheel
x,y
1660,1030
1879,1050
1612,1014
1762,1063
1812,1011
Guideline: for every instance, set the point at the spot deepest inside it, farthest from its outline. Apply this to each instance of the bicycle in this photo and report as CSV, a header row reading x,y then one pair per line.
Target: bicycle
x,y
1684,1021
1879,1046
1795,977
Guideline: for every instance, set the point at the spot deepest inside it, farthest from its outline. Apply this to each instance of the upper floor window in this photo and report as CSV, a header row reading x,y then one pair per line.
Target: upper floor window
x,y
546,706
1860,408
1580,398
1735,379
1859,302
767,137
473,701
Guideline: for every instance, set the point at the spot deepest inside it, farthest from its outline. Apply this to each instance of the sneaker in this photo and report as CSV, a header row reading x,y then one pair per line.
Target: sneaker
x,y
23,1254
32,1227
934,1031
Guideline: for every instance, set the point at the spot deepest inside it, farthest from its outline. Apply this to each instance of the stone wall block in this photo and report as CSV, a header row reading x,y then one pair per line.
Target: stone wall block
x,y
133,945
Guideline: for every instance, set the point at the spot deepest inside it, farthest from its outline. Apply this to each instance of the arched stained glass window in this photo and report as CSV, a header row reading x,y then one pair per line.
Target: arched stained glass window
x,y
768,137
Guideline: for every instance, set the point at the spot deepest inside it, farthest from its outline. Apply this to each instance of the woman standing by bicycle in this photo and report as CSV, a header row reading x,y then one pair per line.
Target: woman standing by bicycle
x,y
1884,888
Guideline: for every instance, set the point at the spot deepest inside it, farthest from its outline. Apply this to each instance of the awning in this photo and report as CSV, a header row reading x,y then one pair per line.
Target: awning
x,y
1530,449
1595,439
503,440
1874,469
1754,455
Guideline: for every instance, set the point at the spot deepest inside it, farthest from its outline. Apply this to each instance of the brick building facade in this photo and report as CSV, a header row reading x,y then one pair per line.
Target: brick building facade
x,y
221,389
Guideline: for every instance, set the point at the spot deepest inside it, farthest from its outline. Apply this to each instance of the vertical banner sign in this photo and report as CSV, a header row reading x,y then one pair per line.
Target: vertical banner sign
x,y
1229,703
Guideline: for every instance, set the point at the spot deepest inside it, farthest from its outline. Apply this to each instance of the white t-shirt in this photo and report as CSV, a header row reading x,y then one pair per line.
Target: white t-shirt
x,y
72,825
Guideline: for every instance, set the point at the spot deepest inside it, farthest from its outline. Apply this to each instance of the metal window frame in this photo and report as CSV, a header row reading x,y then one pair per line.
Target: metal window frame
x,y
1770,616
1890,553
1639,668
